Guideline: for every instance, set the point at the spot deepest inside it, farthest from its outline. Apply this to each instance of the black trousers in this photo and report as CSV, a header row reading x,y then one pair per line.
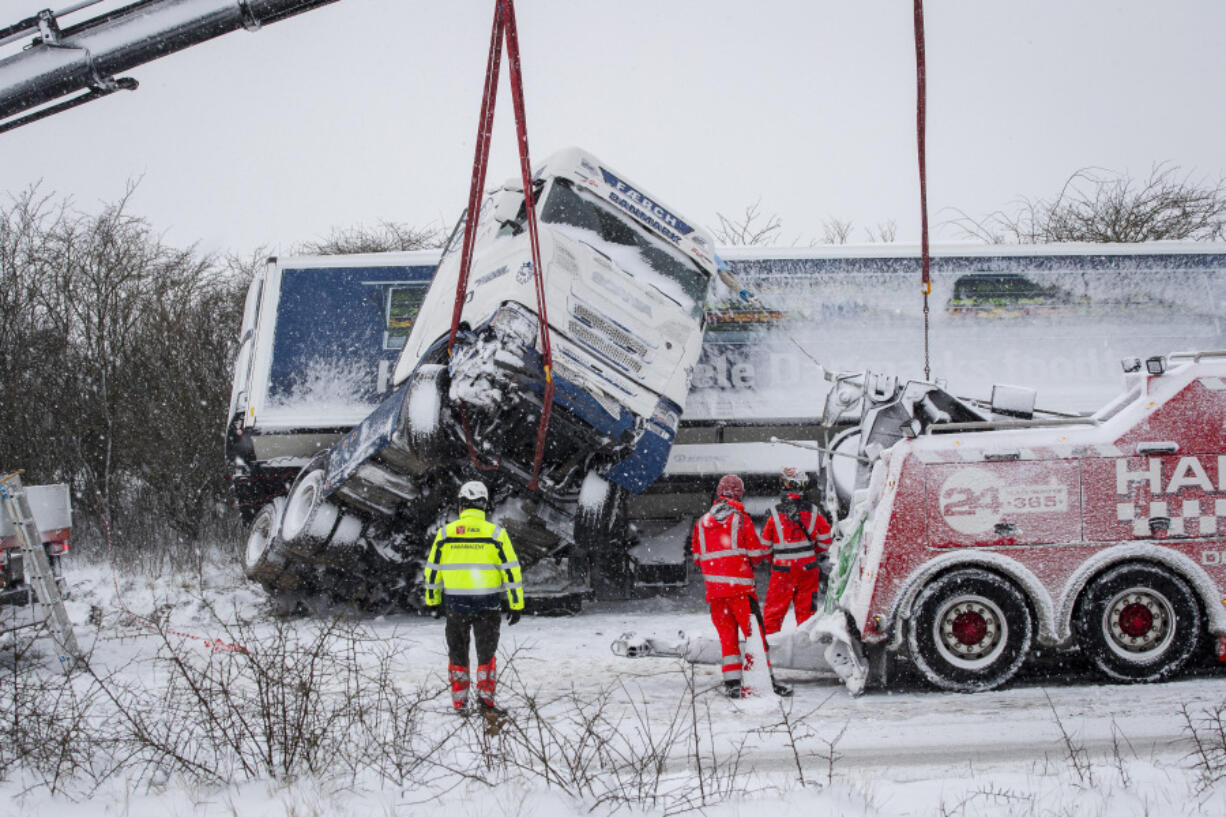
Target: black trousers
x,y
484,627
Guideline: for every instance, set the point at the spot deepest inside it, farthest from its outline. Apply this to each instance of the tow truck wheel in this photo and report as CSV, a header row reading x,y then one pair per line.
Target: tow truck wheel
x,y
971,631
308,518
1138,623
259,561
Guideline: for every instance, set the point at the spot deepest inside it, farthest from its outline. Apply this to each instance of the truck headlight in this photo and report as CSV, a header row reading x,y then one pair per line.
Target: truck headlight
x,y
514,320
664,421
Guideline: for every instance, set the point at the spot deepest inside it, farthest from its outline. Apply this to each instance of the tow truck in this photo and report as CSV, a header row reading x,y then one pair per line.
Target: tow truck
x,y
971,533
971,541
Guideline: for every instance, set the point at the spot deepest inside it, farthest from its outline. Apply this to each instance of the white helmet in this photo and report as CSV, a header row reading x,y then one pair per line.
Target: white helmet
x,y
474,495
793,479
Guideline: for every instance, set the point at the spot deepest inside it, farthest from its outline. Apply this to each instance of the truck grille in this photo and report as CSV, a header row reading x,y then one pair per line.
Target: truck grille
x,y
611,330
606,348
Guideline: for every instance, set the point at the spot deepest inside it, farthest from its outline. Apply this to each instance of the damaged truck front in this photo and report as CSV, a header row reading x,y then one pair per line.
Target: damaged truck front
x,y
625,285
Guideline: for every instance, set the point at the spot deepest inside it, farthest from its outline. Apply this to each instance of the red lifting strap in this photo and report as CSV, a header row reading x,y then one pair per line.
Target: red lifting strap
x,y
504,27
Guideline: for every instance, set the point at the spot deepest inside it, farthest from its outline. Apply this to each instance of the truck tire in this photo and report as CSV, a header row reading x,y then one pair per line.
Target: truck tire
x,y
601,536
260,560
970,631
348,530
422,415
308,518
1138,623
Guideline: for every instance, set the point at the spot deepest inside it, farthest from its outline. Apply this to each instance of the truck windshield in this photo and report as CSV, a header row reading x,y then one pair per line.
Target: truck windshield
x,y
635,250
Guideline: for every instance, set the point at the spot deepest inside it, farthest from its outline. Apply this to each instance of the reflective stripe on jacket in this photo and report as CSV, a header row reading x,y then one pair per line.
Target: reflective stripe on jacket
x,y
471,564
790,543
726,547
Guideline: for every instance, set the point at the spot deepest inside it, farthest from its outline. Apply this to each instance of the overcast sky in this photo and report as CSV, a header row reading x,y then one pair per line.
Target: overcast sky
x,y
366,110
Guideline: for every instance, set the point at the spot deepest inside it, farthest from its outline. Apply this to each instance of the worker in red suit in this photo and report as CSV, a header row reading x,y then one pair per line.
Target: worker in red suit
x,y
726,547
796,534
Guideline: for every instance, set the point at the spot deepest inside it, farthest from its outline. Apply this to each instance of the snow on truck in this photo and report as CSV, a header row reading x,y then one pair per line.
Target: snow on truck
x,y
626,282
976,534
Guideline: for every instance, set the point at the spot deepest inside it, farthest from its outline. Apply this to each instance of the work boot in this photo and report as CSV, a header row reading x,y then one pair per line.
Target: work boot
x,y
732,689
495,717
782,690
492,712
463,710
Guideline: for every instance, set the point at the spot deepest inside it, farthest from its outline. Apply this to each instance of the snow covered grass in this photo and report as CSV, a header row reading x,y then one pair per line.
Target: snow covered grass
x,y
331,715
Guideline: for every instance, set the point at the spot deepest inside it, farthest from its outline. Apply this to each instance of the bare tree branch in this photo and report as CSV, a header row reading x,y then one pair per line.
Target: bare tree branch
x,y
750,230
1095,205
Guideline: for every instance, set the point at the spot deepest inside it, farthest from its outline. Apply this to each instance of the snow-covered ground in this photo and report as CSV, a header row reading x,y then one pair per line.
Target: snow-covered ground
x,y
591,732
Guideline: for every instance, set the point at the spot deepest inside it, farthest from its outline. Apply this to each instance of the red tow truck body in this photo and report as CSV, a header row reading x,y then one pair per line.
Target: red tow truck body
x,y
975,542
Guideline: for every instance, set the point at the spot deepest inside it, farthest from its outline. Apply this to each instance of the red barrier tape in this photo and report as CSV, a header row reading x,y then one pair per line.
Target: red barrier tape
x,y
214,644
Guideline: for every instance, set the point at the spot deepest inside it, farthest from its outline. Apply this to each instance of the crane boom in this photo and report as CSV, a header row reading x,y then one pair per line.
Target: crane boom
x,y
84,59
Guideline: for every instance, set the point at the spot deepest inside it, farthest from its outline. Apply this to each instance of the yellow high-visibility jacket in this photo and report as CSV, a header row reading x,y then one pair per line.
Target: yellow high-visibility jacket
x,y
471,564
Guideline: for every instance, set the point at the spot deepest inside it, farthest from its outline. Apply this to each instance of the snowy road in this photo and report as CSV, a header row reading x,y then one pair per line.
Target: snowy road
x,y
1040,746
908,726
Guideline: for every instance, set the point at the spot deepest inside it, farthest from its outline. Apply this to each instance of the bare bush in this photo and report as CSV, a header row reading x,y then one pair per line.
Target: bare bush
x,y
1207,731
385,236
325,698
885,232
750,229
283,703
49,724
835,231
1074,752
1099,206
115,369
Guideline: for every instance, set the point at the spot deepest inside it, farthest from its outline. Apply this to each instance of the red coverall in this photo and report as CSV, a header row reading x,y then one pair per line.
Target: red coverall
x,y
794,550
726,546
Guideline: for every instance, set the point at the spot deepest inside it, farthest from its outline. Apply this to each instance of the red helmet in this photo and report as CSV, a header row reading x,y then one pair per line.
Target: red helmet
x,y
730,487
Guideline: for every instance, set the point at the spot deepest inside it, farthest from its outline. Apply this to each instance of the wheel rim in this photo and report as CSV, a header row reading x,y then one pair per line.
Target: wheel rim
x,y
1138,623
258,539
301,502
970,631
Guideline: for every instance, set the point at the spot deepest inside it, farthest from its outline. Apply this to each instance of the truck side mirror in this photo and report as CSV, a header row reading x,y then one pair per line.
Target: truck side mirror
x,y
508,201
1013,401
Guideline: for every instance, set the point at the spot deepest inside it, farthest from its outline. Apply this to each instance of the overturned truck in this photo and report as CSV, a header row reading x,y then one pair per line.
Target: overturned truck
x,y
626,282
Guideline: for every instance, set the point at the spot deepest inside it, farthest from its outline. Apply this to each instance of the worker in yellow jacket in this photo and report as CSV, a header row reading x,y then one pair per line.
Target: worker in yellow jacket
x,y
471,567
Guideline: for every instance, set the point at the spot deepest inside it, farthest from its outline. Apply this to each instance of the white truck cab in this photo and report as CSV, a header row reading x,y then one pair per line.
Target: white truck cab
x,y
625,287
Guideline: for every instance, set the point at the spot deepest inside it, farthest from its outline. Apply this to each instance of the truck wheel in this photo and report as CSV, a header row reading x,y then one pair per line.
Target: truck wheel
x,y
348,530
1138,623
600,535
422,415
308,518
970,632
259,558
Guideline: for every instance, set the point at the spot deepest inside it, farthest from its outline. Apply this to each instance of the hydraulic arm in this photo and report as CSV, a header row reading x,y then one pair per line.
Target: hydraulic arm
x,y
86,58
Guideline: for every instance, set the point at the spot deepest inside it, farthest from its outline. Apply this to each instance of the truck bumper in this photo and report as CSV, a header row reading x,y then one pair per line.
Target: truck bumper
x,y
638,447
